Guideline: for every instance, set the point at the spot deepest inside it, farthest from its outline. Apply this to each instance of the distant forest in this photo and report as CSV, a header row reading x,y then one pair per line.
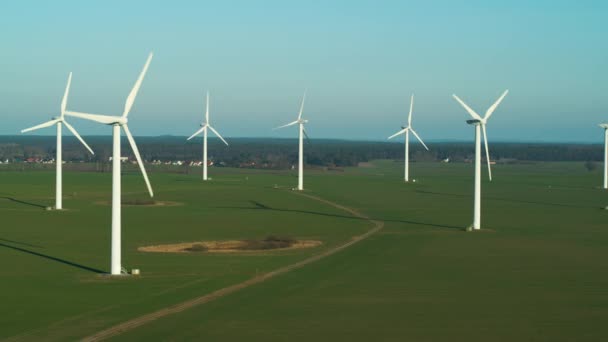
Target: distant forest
x,y
282,153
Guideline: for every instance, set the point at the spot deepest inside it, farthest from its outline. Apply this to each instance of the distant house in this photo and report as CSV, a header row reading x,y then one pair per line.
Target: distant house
x,y
122,159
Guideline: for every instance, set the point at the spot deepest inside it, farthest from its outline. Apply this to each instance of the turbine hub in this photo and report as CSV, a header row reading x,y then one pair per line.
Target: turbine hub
x,y
120,121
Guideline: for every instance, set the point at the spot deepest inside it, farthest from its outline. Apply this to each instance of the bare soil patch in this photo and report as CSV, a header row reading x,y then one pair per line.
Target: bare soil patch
x,y
232,246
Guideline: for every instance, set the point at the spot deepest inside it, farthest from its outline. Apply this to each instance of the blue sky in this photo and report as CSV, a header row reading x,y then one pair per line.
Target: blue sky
x,y
359,60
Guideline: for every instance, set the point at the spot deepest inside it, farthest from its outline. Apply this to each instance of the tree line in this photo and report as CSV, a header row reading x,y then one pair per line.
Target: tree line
x,y
283,153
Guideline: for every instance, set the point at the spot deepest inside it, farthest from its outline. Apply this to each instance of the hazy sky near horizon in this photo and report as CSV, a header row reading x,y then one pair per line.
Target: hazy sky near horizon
x,y
359,60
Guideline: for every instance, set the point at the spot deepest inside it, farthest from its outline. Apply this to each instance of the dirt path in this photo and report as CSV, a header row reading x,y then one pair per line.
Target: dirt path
x,y
139,321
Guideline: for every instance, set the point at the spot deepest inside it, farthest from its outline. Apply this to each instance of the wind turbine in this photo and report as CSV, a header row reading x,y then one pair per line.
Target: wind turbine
x,y
117,122
59,121
407,130
480,125
301,123
605,127
203,130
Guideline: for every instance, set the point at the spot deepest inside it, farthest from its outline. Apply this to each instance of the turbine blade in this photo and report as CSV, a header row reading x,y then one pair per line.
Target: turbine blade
x,y
289,124
398,133
468,109
306,135
207,109
493,107
409,118
73,130
197,133
133,93
418,137
138,157
43,125
104,119
485,140
64,101
218,134
302,106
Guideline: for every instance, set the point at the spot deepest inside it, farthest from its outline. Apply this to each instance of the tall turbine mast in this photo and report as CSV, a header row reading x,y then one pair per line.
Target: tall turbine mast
x,y
203,130
480,127
302,133
59,121
118,122
605,127
406,130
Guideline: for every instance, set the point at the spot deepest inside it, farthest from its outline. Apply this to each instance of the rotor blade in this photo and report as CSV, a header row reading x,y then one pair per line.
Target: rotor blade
x,y
104,119
302,106
138,157
197,133
46,124
289,124
218,134
485,140
398,133
418,137
133,93
306,135
409,118
207,109
64,101
73,130
468,109
493,107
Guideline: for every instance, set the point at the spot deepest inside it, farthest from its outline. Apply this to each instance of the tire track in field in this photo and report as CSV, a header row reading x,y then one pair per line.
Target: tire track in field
x,y
177,308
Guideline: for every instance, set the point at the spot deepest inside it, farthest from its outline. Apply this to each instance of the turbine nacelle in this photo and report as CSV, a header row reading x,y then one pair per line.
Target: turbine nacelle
x,y
204,125
61,119
121,121
482,121
604,125
409,128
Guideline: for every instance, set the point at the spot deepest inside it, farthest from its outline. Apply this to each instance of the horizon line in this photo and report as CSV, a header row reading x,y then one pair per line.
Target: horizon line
x,y
439,141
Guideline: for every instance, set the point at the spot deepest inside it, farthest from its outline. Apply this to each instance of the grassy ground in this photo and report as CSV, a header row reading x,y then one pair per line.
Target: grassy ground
x,y
53,285
538,271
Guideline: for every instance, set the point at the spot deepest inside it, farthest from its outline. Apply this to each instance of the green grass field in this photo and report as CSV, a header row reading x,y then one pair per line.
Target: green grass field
x,y
538,270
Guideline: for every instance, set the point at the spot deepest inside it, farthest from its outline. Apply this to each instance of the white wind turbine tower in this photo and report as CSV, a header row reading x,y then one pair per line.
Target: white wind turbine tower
x,y
203,130
59,121
480,124
406,130
301,123
605,127
117,122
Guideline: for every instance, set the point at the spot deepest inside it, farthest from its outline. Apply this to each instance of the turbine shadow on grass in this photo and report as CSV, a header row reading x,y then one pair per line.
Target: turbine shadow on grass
x,y
65,262
506,200
261,206
20,243
12,199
